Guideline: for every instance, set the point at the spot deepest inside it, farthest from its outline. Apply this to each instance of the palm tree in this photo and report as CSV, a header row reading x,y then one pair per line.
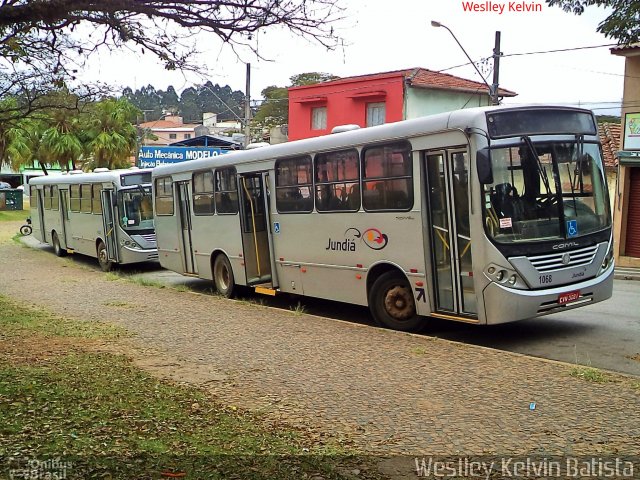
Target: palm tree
x,y
112,137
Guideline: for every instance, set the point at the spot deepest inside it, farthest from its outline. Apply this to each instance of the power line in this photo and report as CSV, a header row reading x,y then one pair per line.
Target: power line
x,y
558,50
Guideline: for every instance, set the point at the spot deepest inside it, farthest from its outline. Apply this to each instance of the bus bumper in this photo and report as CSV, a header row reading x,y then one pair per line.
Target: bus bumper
x,y
504,304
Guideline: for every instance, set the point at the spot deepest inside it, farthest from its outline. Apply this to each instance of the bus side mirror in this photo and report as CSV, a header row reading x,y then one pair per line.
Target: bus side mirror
x,y
483,163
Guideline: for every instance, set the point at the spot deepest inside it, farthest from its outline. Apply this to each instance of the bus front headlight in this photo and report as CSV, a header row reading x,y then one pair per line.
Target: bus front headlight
x,y
608,260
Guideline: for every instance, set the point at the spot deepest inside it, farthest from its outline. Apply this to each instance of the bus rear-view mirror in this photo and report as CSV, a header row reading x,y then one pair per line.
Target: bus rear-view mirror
x,y
483,163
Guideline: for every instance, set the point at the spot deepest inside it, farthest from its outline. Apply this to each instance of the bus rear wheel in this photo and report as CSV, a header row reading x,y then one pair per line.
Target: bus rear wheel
x,y
223,276
103,259
392,303
57,249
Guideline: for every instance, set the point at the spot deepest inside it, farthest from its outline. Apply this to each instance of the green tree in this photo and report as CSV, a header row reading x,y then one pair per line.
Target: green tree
x,y
623,24
274,109
311,78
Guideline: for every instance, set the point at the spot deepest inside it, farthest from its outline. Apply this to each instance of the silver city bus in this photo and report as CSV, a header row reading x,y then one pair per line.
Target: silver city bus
x,y
484,215
106,214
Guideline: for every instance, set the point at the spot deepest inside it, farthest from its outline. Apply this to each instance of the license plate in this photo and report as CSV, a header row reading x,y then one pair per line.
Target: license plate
x,y
568,297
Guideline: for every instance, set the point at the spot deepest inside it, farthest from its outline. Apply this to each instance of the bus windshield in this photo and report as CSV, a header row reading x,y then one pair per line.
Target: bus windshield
x,y
546,191
136,208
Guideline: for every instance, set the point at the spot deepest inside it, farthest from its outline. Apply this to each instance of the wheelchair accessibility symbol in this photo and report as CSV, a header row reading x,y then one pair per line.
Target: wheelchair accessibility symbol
x,y
572,228
276,227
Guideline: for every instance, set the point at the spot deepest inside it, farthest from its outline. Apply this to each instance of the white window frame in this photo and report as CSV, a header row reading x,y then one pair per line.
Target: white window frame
x,y
319,118
376,113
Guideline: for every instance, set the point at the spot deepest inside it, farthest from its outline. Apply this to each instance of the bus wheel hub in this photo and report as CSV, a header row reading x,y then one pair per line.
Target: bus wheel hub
x,y
398,303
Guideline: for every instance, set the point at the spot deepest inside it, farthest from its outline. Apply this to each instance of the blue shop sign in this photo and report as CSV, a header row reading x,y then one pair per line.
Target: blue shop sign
x,y
150,156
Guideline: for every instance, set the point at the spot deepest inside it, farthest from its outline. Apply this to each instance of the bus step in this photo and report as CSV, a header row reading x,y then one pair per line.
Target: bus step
x,y
265,289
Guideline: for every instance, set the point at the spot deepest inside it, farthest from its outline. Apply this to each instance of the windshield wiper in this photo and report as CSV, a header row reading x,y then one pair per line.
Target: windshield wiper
x,y
541,170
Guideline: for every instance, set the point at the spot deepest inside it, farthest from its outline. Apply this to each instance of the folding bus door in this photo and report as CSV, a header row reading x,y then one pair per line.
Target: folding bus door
x,y
256,236
109,223
186,227
447,175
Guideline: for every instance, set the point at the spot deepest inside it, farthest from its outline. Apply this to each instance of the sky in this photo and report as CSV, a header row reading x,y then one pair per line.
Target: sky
x,y
382,36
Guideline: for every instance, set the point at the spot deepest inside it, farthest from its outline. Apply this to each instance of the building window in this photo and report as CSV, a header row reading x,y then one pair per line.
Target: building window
x,y
376,114
319,118
387,178
173,136
293,185
337,181
187,136
164,196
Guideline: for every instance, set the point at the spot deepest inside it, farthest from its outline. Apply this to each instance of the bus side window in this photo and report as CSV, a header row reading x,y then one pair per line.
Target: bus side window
x,y
164,196
294,185
74,198
387,178
226,191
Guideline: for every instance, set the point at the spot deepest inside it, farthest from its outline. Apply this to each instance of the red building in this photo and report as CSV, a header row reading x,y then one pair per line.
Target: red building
x,y
374,99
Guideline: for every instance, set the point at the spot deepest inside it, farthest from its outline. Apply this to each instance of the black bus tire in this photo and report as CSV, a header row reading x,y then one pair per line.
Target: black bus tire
x,y
57,249
392,303
223,276
106,265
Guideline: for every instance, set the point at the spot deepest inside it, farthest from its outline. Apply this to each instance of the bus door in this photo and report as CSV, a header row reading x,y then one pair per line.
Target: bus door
x,y
109,224
186,243
447,175
64,215
256,238
43,227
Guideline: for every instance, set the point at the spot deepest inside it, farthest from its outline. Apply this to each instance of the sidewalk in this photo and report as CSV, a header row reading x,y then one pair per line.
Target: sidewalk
x,y
374,390
623,273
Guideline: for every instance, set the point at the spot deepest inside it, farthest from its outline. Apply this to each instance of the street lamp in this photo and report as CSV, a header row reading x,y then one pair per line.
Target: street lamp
x,y
493,89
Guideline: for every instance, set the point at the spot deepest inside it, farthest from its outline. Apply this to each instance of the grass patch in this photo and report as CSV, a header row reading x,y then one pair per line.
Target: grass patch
x,y
18,320
419,351
101,417
181,288
14,215
298,309
146,282
590,374
120,304
112,277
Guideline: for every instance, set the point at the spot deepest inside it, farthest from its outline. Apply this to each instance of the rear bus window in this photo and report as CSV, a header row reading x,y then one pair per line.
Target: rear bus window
x,y
293,185
387,178
164,196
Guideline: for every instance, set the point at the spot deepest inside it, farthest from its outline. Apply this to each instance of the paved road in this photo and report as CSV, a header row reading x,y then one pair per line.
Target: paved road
x,y
605,335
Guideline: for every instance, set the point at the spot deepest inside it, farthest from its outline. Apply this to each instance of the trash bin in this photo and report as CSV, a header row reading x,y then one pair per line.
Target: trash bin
x,y
10,199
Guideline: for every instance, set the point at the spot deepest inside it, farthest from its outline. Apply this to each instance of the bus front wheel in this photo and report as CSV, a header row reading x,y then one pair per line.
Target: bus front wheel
x,y
103,259
392,304
223,276
57,249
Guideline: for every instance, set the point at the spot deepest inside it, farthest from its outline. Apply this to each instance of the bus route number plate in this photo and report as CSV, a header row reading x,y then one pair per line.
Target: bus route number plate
x,y
568,297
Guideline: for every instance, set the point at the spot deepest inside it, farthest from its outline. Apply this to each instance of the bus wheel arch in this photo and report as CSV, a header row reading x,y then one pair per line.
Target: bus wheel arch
x,y
222,273
106,265
57,248
391,300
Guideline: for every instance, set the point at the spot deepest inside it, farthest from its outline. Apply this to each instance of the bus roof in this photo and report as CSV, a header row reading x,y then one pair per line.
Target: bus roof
x,y
86,177
468,117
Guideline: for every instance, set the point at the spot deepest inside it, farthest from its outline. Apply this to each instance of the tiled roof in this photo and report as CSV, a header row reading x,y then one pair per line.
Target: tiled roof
x,y
166,124
610,137
424,78
632,48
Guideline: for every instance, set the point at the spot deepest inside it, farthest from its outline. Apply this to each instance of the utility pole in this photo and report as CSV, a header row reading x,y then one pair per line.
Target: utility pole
x,y
247,108
496,70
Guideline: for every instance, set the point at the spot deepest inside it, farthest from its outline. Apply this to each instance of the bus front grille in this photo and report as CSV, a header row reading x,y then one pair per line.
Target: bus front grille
x,y
567,259
149,237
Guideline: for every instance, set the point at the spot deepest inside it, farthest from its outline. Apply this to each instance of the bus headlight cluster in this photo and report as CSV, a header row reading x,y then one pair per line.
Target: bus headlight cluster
x,y
504,275
608,260
131,244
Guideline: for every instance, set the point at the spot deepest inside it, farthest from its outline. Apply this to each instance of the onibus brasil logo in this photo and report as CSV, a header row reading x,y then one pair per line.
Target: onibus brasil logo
x,y
371,237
